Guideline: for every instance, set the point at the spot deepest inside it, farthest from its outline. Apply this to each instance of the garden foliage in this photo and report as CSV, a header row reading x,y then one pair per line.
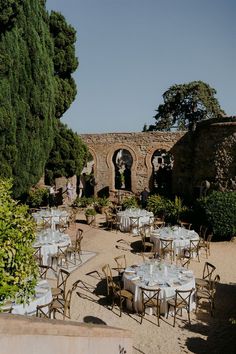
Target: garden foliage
x,y
18,269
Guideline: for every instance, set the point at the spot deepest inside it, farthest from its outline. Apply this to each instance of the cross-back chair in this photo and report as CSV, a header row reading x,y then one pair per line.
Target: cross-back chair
x,y
185,224
59,291
114,290
47,222
74,251
145,233
204,244
207,293
182,300
166,248
44,311
43,271
134,224
207,274
158,223
60,257
63,223
193,249
150,299
121,264
38,255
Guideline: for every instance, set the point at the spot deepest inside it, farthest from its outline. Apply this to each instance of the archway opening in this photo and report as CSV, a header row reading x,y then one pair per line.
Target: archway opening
x,y
162,163
122,161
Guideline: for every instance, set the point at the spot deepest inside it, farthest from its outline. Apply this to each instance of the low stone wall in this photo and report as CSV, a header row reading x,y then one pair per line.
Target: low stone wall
x,y
27,335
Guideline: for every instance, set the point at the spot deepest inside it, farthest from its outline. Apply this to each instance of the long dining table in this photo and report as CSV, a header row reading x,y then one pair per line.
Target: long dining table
x,y
156,274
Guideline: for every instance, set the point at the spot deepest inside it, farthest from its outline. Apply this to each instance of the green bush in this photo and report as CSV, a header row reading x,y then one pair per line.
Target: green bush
x,y
172,211
83,202
129,202
90,211
18,268
158,205
219,209
38,197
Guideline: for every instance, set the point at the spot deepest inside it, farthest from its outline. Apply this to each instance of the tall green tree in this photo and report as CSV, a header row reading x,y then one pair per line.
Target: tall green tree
x,y
68,155
37,59
185,105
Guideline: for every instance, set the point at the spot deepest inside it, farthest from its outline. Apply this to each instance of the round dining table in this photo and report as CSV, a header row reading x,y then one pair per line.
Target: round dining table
x,y
123,218
49,240
181,237
156,274
43,296
54,214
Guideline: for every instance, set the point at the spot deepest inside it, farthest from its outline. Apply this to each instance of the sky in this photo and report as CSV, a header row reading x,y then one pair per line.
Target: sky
x,y
131,51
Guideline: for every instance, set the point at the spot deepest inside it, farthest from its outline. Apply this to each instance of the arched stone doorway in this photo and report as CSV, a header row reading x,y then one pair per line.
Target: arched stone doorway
x,y
122,162
162,164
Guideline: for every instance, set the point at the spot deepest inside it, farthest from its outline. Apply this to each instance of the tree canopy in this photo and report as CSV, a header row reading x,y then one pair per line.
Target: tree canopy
x,y
68,155
185,105
37,58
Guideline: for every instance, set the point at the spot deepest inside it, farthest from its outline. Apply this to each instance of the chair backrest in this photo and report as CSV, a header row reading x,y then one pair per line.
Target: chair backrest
x,y
63,275
158,223
134,221
203,231
150,297
120,262
193,246
43,270
47,221
183,298
185,224
166,245
37,255
44,311
208,271
67,304
108,275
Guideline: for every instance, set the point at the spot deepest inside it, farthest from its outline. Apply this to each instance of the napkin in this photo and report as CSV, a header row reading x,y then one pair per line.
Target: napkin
x,y
135,278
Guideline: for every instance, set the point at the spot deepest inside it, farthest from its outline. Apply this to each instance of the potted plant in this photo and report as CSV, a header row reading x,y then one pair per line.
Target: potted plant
x,y
90,214
102,204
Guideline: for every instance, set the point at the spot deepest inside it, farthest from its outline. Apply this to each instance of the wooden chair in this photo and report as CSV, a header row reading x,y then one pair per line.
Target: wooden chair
x,y
145,233
207,293
43,271
63,223
114,290
44,311
134,224
158,223
121,264
60,257
59,291
47,222
62,306
37,255
204,244
150,299
192,250
182,300
182,260
146,256
110,218
166,248
74,251
208,271
185,224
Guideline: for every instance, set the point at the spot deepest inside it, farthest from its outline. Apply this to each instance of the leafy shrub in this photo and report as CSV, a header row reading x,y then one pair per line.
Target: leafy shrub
x,y
158,205
90,211
129,202
18,268
161,206
220,213
38,197
83,202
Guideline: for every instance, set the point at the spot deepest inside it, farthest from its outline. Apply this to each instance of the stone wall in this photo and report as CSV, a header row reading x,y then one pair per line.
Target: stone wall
x,y
141,147
209,153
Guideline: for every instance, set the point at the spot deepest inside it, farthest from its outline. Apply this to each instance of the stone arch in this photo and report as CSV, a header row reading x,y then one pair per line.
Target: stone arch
x,y
110,164
151,151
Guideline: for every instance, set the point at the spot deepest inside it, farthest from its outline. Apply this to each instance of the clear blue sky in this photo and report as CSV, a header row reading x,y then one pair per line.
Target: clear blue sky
x,y
131,51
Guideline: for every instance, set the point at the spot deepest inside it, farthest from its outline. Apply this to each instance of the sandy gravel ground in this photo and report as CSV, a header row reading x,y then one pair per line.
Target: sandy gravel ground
x,y
206,334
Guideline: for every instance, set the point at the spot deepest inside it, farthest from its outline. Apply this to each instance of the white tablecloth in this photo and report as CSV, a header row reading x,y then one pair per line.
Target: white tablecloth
x,y
124,218
55,214
181,237
49,240
165,276
42,297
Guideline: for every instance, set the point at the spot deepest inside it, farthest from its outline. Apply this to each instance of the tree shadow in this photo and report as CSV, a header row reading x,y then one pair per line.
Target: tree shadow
x,y
94,320
219,329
